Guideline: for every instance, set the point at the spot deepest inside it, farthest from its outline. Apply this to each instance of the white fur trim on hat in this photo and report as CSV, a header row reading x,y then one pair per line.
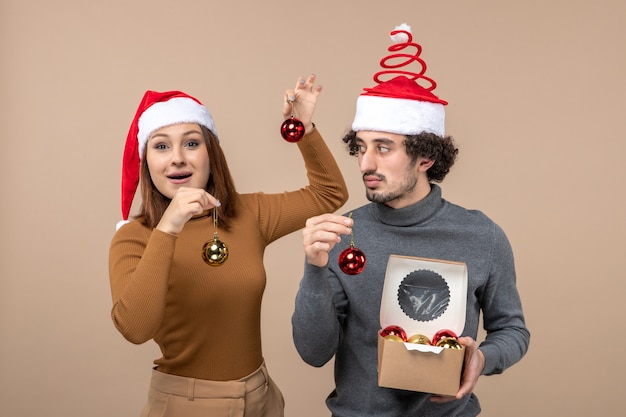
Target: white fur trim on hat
x,y
173,111
120,224
397,115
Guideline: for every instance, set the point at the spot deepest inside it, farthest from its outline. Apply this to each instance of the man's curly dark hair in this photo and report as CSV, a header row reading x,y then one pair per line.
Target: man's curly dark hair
x,y
442,150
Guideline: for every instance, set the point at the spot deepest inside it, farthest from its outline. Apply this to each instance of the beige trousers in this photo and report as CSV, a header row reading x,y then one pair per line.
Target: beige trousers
x,y
253,396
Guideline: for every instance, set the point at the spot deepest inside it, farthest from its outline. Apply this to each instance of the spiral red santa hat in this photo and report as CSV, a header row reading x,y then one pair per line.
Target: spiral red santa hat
x,y
401,104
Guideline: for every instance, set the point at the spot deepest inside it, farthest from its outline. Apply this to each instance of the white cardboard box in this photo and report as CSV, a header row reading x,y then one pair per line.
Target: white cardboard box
x,y
422,296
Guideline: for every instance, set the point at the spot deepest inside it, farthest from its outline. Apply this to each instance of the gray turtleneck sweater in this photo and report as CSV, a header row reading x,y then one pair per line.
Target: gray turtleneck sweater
x,y
339,315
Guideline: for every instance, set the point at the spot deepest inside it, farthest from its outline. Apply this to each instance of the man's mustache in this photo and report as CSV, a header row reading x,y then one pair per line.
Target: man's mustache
x,y
373,174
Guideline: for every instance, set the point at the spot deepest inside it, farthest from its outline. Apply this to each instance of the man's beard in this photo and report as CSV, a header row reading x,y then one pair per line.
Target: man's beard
x,y
406,186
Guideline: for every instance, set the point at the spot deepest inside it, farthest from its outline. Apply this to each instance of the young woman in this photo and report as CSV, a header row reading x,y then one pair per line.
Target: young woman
x,y
188,271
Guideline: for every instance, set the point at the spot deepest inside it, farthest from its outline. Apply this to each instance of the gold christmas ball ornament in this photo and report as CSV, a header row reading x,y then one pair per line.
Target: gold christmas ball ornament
x,y
394,338
419,339
215,252
449,343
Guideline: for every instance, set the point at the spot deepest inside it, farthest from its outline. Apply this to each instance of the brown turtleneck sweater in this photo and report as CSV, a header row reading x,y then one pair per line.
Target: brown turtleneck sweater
x,y
206,319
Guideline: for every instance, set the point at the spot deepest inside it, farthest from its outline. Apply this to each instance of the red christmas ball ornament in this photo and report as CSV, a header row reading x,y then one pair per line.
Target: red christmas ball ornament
x,y
394,330
352,261
292,130
442,334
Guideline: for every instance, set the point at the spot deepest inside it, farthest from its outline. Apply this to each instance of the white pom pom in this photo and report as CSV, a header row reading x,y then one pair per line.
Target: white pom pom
x,y
120,224
401,37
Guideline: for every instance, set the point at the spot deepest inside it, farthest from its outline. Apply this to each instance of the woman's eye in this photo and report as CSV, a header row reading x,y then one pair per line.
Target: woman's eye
x,y
160,146
193,144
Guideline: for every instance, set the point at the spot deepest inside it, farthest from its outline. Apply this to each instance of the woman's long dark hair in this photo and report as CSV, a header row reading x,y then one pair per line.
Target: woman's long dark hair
x,y
220,185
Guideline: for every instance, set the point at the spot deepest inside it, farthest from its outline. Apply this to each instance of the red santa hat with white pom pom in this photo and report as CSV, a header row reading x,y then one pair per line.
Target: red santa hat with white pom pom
x,y
401,105
156,110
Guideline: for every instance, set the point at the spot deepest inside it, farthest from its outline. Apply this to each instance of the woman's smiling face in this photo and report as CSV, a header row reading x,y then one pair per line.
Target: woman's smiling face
x,y
177,156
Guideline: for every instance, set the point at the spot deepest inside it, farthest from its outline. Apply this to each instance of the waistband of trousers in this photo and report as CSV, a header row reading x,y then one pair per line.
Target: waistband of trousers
x,y
202,388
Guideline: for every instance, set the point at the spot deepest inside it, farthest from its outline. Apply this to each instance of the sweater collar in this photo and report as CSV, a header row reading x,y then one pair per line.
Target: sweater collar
x,y
411,215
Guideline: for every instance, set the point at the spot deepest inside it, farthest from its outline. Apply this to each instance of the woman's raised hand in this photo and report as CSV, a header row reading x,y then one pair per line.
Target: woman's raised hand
x,y
303,98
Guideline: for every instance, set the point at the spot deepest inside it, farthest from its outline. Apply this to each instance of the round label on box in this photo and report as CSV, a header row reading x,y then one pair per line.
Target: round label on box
x,y
423,295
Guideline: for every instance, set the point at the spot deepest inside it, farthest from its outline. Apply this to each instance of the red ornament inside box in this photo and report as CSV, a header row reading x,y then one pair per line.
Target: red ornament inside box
x,y
422,296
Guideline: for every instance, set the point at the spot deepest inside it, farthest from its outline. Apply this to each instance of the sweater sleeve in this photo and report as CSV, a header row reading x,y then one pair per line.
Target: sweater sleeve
x,y
507,337
320,306
139,267
284,213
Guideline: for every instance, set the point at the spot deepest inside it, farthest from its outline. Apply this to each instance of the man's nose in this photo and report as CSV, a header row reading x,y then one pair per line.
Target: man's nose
x,y
367,162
